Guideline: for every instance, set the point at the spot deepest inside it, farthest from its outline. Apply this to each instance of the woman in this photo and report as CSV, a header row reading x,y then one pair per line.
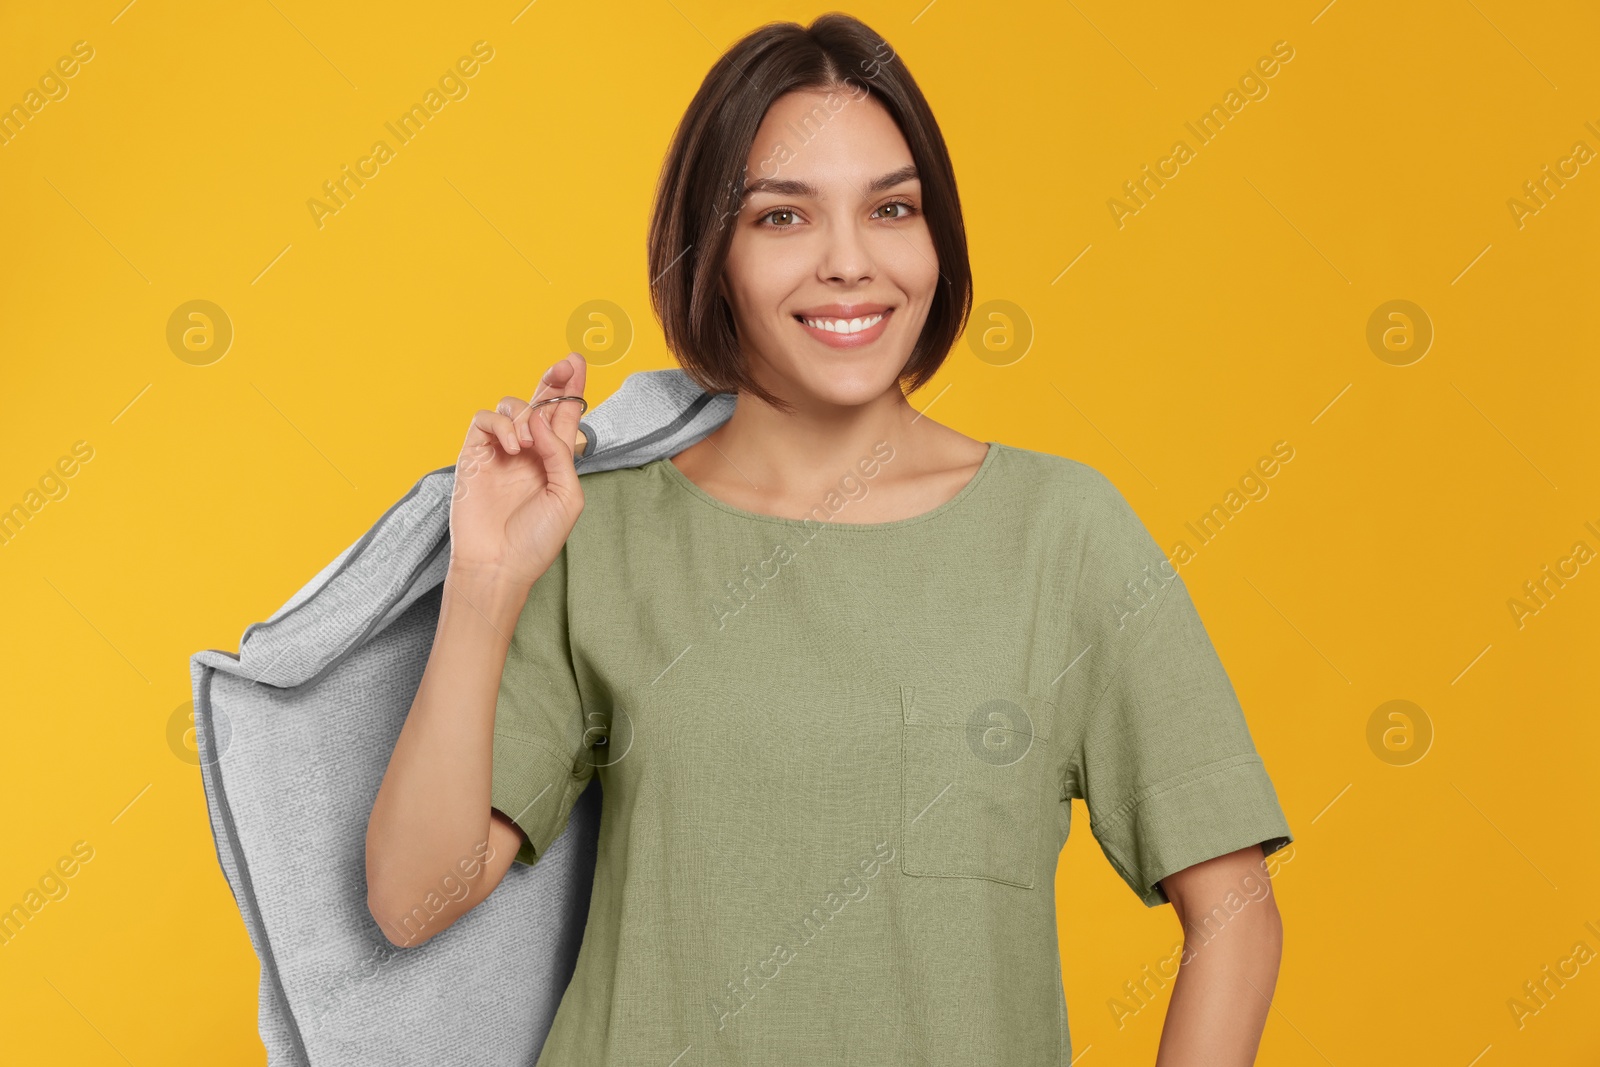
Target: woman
x,y
840,669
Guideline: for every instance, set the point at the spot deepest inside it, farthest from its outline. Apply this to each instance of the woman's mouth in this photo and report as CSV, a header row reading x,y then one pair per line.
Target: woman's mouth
x,y
846,333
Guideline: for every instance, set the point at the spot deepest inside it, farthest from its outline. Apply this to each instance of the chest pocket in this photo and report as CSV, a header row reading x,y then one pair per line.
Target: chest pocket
x,y
976,783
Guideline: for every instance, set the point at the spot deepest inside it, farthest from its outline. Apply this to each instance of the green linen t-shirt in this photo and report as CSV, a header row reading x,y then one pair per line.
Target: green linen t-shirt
x,y
837,760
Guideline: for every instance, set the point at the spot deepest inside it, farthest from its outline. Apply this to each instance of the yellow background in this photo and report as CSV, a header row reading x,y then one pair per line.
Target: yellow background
x,y
1229,313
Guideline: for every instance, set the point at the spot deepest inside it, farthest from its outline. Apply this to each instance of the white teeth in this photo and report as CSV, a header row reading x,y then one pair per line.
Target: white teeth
x,y
843,325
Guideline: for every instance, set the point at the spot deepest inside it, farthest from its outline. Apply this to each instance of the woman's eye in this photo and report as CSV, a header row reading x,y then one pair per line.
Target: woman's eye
x,y
777,211
905,210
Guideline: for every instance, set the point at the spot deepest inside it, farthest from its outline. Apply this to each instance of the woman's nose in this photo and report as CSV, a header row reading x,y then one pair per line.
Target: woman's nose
x,y
846,255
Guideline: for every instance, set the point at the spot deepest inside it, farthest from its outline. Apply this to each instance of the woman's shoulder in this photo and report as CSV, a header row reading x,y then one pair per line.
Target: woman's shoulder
x,y
624,497
1078,501
1060,479
618,482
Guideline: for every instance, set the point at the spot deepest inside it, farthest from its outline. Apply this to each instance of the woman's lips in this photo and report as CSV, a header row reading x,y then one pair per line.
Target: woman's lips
x,y
848,340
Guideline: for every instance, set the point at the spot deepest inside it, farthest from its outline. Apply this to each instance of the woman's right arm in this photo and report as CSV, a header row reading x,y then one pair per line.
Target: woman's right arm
x,y
434,847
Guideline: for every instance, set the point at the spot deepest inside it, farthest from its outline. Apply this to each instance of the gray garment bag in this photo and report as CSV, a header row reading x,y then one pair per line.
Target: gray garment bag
x,y
294,734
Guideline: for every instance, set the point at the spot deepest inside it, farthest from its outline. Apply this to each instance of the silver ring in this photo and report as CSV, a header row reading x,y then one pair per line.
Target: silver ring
x,y
557,399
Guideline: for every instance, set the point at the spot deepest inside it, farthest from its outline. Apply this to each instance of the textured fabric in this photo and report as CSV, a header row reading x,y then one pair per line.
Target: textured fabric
x,y
294,734
838,760
653,413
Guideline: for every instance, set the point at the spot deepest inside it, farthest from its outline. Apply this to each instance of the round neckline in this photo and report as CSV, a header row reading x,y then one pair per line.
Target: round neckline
x,y
682,479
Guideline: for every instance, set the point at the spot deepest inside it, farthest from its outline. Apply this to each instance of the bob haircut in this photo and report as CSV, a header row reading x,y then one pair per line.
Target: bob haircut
x,y
702,186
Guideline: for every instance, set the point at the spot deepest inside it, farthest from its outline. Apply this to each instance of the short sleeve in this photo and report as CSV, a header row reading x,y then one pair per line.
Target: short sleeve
x,y
542,759
1163,757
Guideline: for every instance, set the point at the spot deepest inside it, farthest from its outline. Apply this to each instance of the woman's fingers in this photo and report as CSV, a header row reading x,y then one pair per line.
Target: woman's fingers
x,y
520,422
508,423
492,424
555,452
566,377
517,409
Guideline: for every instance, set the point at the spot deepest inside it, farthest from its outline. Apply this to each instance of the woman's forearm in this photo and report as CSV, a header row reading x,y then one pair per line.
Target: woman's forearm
x,y
1222,995
430,820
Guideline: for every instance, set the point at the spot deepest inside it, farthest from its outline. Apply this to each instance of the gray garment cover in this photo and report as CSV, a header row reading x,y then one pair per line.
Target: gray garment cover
x,y
294,734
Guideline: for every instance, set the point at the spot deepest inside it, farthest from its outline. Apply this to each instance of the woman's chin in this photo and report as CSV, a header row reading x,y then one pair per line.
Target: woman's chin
x,y
852,394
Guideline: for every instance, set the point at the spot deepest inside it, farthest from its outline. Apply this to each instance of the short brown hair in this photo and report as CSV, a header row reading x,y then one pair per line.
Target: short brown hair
x,y
702,185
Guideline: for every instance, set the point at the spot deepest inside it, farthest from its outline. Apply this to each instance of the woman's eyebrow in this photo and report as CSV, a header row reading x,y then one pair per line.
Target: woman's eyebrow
x,y
796,187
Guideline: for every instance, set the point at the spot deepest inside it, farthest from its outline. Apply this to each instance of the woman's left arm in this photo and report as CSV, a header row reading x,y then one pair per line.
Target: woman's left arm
x,y
1232,946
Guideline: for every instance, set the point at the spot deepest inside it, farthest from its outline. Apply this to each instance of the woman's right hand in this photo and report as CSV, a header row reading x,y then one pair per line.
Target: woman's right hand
x,y
517,495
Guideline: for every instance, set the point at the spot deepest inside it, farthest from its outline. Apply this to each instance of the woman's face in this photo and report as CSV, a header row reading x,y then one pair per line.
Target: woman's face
x,y
831,229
